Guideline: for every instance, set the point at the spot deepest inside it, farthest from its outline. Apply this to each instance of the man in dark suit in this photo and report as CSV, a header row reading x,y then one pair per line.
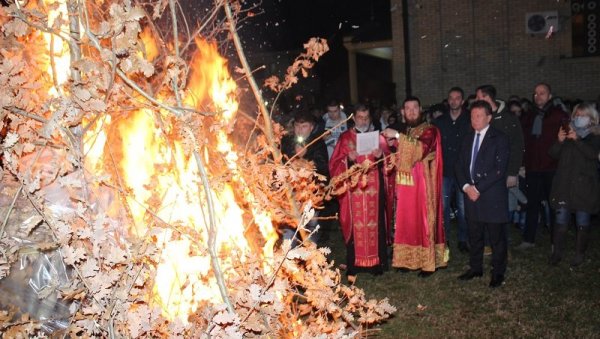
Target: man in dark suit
x,y
481,172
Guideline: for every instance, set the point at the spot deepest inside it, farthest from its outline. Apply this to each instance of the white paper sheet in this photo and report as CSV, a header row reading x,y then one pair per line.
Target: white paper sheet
x,y
367,142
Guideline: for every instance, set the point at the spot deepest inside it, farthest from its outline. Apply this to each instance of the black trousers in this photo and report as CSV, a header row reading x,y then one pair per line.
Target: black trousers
x,y
539,186
498,242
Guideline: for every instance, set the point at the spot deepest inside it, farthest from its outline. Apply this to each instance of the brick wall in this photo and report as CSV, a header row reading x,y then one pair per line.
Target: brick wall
x,y
469,43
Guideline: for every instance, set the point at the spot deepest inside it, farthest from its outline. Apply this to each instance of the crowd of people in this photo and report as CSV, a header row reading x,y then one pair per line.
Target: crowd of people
x,y
485,163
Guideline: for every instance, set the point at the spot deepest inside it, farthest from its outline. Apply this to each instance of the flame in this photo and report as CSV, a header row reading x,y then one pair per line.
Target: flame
x,y
211,78
149,44
163,183
58,49
161,177
94,141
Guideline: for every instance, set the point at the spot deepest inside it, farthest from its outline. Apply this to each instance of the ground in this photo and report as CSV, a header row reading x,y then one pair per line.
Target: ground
x,y
536,301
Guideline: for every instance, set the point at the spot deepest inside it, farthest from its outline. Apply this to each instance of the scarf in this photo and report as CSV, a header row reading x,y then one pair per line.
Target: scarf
x,y
536,129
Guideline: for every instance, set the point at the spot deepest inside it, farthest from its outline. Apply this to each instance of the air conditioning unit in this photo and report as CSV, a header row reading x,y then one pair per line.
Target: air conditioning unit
x,y
541,22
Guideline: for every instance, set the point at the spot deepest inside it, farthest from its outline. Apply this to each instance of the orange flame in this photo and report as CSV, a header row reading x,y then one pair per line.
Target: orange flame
x,y
149,44
58,49
163,182
161,176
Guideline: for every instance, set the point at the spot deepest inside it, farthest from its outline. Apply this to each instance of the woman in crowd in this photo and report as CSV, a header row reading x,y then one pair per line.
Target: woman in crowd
x,y
576,186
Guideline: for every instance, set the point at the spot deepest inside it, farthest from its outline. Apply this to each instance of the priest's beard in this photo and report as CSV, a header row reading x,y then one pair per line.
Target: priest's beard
x,y
413,123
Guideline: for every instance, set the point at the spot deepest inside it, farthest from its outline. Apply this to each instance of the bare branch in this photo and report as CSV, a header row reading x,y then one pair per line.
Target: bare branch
x,y
261,106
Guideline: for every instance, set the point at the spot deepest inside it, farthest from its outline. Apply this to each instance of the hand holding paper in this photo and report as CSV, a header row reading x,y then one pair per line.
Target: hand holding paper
x,y
367,142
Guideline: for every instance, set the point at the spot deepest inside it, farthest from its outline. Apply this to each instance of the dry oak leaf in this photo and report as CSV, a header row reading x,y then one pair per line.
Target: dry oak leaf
x,y
299,253
10,140
27,330
64,232
102,29
72,293
5,317
28,147
138,320
89,268
4,268
46,246
16,27
272,82
225,318
30,223
316,47
90,326
100,285
159,8
82,93
115,256
72,255
33,185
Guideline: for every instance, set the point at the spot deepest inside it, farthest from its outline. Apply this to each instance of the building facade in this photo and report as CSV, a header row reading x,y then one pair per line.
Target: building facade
x,y
511,44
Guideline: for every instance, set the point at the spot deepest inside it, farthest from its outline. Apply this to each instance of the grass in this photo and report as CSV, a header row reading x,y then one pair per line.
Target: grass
x,y
536,301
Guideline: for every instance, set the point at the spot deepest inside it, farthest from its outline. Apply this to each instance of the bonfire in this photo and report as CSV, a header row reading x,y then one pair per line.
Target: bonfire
x,y
128,211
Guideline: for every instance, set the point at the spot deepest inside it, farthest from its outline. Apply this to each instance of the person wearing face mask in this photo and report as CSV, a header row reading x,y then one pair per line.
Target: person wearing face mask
x,y
575,188
419,238
365,207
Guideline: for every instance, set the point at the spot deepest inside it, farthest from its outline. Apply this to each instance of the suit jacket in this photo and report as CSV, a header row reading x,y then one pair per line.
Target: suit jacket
x,y
490,176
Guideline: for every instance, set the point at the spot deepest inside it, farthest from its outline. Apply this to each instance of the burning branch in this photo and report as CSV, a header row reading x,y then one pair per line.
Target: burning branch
x,y
212,235
262,109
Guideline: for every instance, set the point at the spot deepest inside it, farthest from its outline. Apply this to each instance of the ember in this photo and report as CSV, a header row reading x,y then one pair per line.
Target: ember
x,y
123,172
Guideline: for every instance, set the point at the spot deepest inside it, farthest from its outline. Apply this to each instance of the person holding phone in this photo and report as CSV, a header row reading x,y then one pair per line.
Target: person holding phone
x,y
576,185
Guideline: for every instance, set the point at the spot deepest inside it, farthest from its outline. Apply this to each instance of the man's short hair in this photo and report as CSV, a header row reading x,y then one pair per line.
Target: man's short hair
x,y
411,98
488,90
333,103
457,89
360,107
545,85
482,104
302,116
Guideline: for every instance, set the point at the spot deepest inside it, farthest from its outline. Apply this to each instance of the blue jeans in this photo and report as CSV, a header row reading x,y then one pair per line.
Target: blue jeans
x,y
450,189
563,217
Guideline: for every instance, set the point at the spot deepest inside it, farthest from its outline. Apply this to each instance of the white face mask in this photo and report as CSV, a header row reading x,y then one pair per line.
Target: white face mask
x,y
581,122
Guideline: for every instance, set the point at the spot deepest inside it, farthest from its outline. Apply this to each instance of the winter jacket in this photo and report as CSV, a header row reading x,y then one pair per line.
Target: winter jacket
x,y
576,184
536,158
453,132
510,125
316,152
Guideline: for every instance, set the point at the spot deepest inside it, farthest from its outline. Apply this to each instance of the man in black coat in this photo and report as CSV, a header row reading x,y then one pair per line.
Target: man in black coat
x,y
481,172
454,124
305,132
301,144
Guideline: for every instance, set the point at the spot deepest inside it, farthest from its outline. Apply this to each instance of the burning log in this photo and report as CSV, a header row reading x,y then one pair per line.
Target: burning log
x,y
156,222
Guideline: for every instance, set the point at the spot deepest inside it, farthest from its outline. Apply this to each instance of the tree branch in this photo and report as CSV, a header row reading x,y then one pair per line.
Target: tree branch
x,y
263,110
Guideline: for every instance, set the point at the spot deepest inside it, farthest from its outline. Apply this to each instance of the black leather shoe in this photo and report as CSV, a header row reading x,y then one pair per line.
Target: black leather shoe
x,y
425,274
463,247
497,280
468,275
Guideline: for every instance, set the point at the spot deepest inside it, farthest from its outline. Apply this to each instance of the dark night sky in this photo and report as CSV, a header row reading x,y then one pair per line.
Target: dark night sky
x,y
281,25
286,24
